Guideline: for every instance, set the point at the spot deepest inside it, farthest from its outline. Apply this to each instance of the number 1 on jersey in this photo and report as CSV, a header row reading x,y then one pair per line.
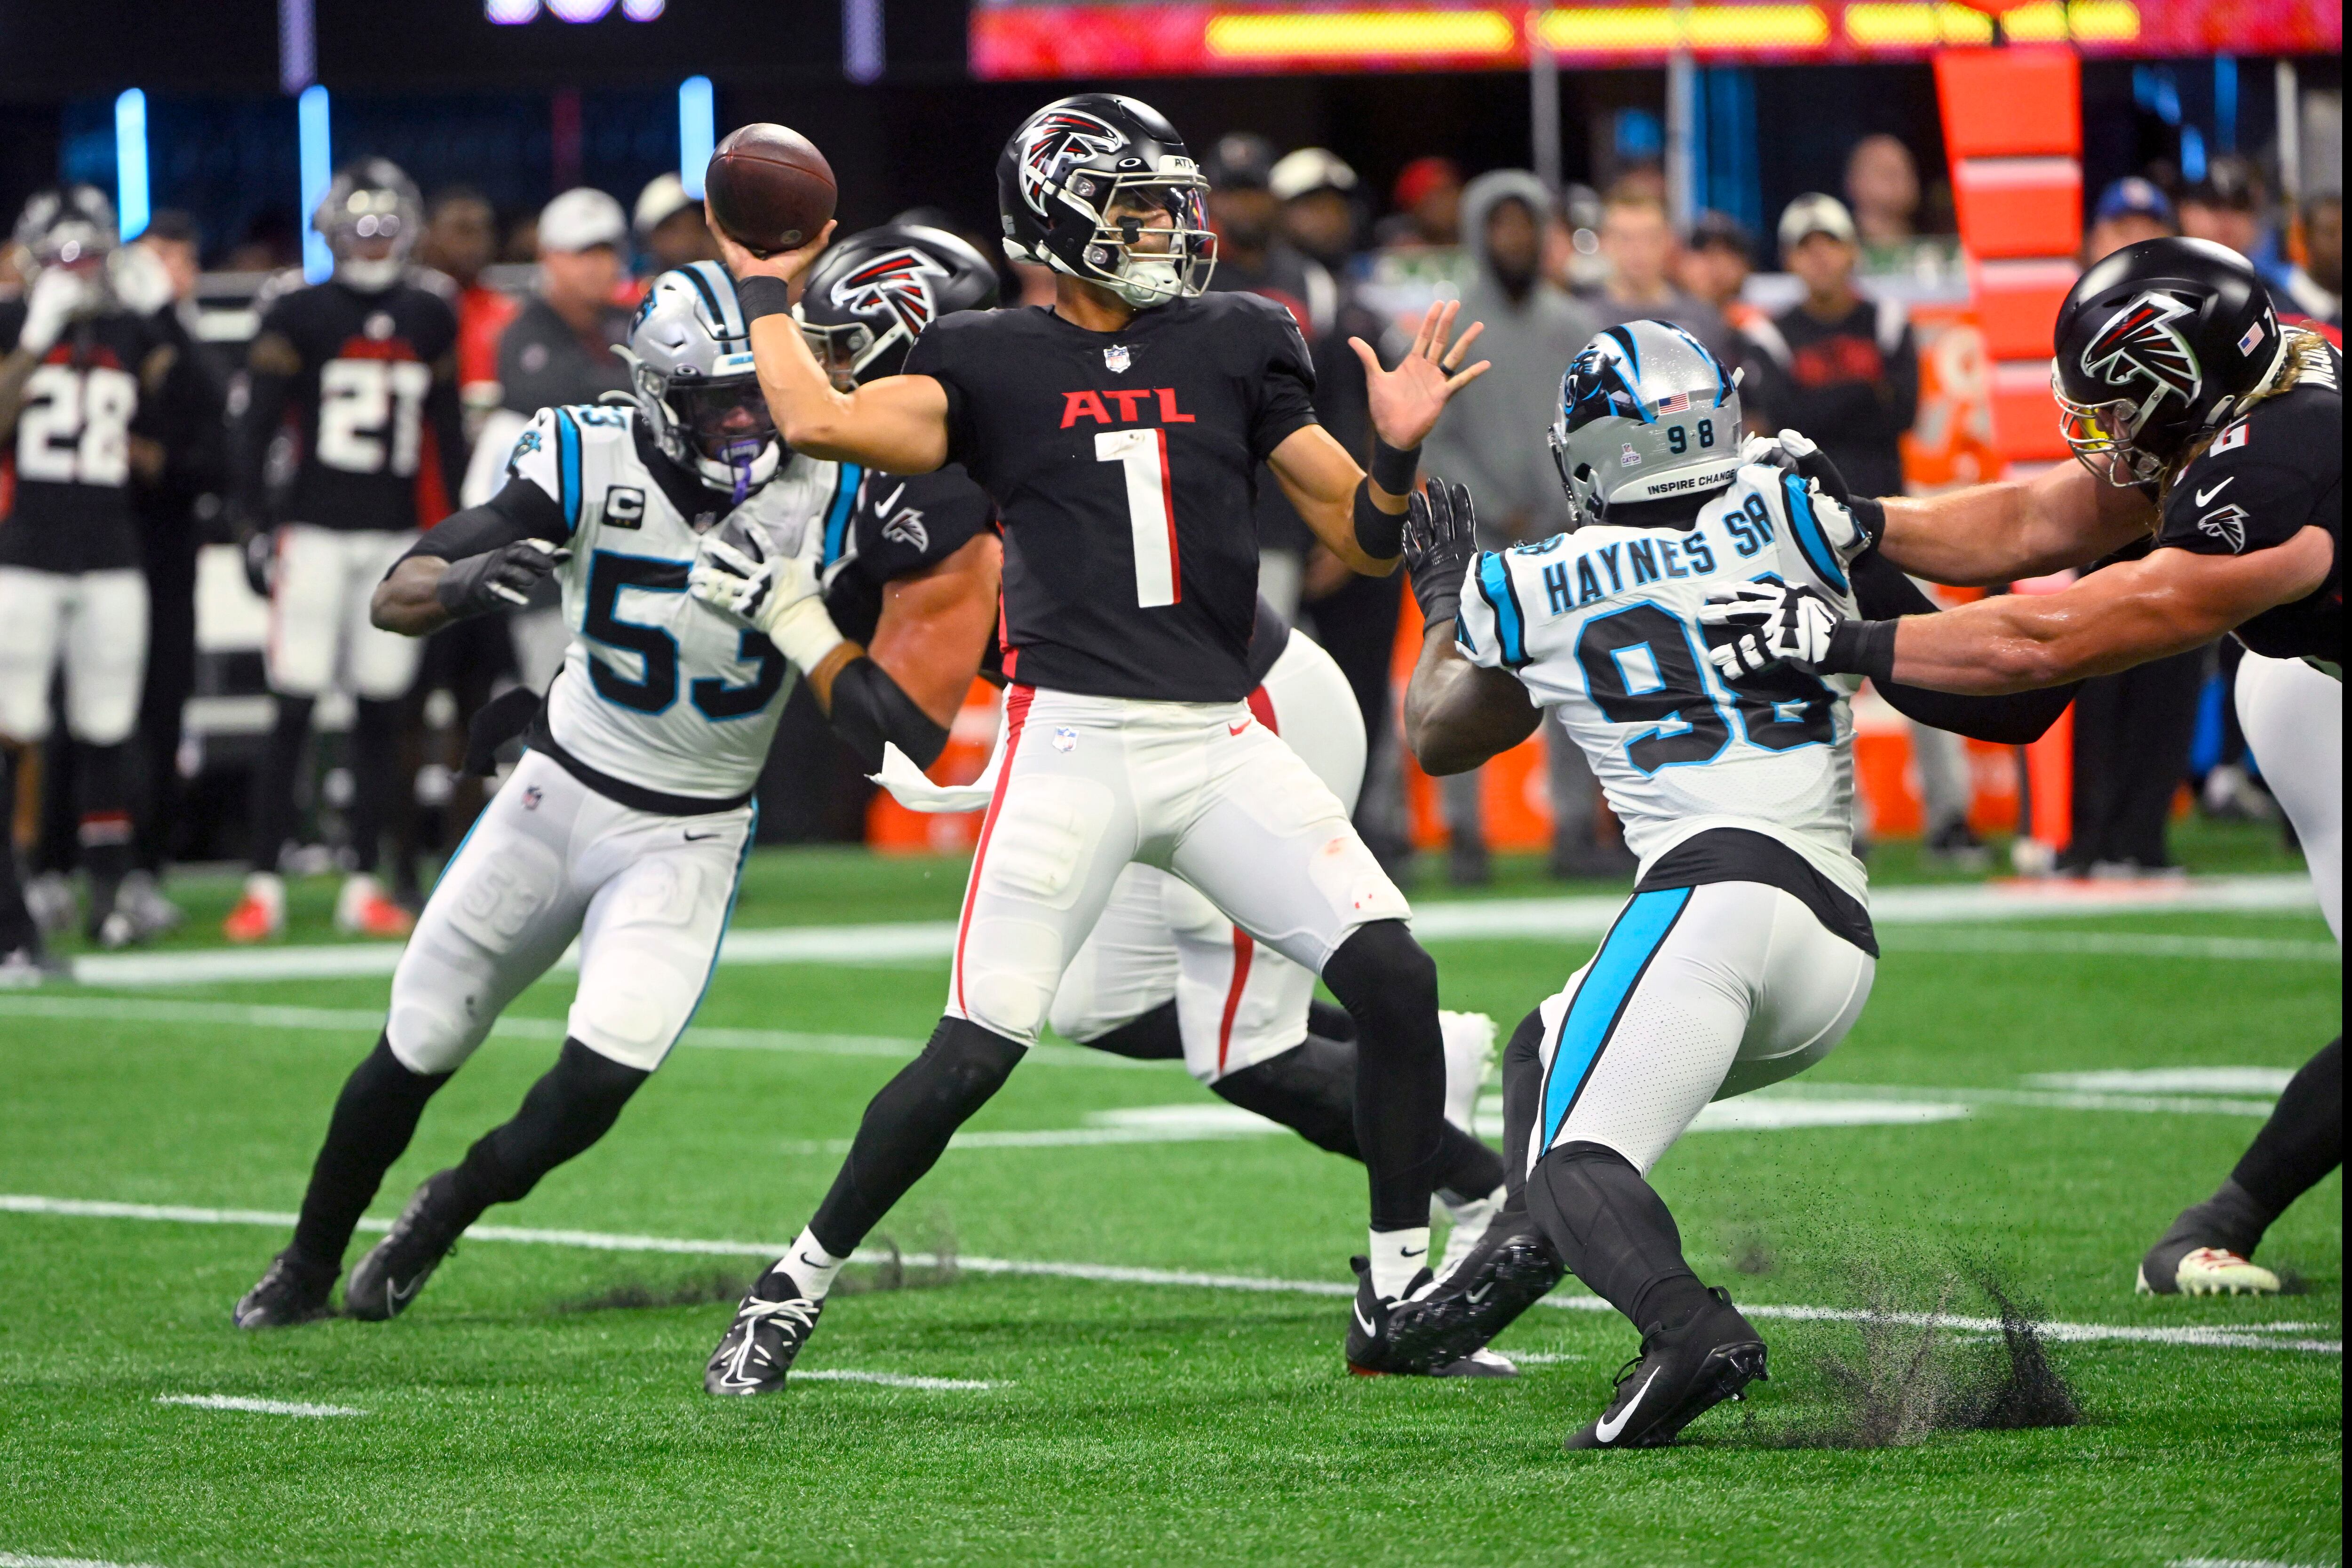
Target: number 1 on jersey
x,y
1150,510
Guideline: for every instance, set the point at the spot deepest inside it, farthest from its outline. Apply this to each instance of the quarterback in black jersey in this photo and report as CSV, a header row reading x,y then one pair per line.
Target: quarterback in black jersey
x,y
2203,424
86,376
361,372
1120,433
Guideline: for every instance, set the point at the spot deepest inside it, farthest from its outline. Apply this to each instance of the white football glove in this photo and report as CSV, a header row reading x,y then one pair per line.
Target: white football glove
x,y
139,278
58,296
1775,623
737,573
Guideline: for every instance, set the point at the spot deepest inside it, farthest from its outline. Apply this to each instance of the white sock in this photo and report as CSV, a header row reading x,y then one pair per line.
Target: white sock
x,y
1397,1256
811,1266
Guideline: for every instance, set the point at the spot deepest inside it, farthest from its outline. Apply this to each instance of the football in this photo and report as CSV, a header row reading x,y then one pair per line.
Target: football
x,y
770,189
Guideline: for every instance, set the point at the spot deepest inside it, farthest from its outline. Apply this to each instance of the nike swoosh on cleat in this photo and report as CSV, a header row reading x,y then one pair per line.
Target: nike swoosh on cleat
x,y
1606,1429
1480,1294
1365,1324
2205,495
398,1297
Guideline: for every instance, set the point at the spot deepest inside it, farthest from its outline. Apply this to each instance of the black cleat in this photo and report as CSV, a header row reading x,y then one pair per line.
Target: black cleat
x,y
761,1345
1371,1348
1686,1368
381,1284
287,1293
1509,1270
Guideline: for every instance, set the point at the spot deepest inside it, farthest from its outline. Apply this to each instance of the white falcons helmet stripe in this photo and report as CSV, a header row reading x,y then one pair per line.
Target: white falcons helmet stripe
x,y
897,283
1055,137
2141,344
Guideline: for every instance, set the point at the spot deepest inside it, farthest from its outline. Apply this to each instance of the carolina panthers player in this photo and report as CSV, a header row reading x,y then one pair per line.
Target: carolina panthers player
x,y
626,821
1746,952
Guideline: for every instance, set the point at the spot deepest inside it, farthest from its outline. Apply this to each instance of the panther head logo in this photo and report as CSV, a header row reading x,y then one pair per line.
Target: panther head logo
x,y
895,284
1054,140
2140,344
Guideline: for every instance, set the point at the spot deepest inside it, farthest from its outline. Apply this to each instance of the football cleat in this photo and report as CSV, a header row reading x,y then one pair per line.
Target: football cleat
x,y
142,900
49,898
1686,1368
2204,1271
1509,1270
363,909
22,968
381,1285
1371,1350
759,1346
1471,1221
285,1294
1479,1363
1469,1040
260,914
115,932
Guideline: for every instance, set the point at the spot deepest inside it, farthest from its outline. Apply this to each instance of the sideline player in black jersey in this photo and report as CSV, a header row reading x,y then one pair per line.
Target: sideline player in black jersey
x,y
1120,433
85,376
361,371
2200,422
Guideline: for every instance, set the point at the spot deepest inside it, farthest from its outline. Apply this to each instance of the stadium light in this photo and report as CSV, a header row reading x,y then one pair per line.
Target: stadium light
x,y
318,173
698,132
861,40
131,199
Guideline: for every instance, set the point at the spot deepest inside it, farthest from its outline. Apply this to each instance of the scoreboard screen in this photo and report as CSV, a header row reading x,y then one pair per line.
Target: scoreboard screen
x,y
1048,38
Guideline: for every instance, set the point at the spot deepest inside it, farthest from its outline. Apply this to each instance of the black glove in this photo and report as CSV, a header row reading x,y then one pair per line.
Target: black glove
x,y
259,550
1441,535
501,578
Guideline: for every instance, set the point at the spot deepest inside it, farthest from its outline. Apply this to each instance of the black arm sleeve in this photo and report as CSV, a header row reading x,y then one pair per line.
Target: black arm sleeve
x,y
2014,720
256,425
445,415
519,511
869,708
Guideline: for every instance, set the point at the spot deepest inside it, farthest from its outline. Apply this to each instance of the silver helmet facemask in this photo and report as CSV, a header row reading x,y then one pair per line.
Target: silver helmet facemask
x,y
1646,414
371,206
72,226
1137,257
692,378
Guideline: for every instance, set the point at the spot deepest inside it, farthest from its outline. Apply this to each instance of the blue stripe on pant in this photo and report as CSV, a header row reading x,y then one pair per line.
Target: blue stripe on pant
x,y
1640,929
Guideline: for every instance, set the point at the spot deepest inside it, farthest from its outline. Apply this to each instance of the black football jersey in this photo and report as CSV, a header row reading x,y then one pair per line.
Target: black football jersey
x,y
1123,469
368,383
883,526
66,502
2264,480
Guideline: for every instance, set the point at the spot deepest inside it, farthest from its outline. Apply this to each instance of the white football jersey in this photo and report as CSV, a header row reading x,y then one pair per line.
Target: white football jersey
x,y
1602,624
657,689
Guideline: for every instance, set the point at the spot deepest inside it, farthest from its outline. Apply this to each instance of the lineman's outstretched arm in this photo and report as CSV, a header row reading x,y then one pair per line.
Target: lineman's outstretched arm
x,y
1457,714
2002,532
906,685
898,423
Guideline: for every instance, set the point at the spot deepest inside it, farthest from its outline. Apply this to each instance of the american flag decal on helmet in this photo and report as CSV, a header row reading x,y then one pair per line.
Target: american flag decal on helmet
x,y
896,282
1675,402
2141,343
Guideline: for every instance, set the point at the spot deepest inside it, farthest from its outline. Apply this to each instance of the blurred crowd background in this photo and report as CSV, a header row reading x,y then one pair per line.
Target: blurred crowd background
x,y
1827,269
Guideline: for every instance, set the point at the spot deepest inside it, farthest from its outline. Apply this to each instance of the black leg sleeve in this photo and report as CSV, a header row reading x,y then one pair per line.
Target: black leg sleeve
x,y
1329,1021
273,782
380,788
1389,984
1154,1036
907,1126
1311,1089
2303,1139
374,1118
1522,1093
574,1104
102,781
1610,1227
16,928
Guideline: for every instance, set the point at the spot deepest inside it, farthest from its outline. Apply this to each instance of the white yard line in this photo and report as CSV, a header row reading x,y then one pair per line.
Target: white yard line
x,y
2116,944
2252,1336
1533,919
890,1379
19,1560
256,1406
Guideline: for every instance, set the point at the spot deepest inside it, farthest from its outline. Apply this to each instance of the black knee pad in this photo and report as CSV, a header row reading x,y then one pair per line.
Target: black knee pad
x,y
963,1064
1310,1089
1154,1036
1381,964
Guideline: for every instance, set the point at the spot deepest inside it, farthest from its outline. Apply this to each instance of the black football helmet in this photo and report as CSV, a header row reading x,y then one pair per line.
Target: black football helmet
x,y
2157,344
1083,181
371,203
871,297
66,225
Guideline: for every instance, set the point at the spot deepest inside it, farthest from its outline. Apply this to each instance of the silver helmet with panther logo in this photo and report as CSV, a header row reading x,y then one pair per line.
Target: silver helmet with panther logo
x,y
1646,414
691,376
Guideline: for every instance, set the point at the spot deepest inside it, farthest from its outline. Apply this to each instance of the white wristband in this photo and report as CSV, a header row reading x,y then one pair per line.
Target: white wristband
x,y
804,633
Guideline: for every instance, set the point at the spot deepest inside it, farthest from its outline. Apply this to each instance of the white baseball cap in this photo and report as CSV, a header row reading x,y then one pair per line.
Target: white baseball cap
x,y
582,219
1815,214
1309,169
663,199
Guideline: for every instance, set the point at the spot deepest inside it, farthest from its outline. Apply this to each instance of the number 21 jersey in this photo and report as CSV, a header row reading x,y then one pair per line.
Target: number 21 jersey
x,y
1124,466
1602,624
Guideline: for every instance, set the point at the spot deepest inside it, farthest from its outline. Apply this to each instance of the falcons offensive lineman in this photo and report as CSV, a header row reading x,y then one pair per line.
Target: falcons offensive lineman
x,y
1120,433
363,370
1745,953
627,823
2199,421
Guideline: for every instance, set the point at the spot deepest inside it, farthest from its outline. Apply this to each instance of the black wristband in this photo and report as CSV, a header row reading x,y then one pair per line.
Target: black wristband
x,y
1871,514
762,295
1439,599
1378,534
1861,648
1394,470
867,707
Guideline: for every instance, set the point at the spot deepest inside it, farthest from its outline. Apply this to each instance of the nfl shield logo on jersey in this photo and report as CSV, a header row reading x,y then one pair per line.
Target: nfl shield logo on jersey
x,y
1115,359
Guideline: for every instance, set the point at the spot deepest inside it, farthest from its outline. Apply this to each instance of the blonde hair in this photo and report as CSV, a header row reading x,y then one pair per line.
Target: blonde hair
x,y
2303,348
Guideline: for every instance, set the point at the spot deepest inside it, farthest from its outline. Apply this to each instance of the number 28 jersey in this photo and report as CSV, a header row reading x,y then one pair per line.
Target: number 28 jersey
x,y
1602,625
657,690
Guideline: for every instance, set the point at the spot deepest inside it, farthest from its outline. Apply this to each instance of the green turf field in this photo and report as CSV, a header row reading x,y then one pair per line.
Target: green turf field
x,y
542,1403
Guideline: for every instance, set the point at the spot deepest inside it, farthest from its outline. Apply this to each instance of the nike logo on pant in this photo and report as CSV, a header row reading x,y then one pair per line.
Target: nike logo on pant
x,y
1607,1429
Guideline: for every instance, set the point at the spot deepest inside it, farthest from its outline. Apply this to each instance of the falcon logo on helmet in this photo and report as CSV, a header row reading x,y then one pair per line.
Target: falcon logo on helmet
x,y
1052,141
897,284
2141,343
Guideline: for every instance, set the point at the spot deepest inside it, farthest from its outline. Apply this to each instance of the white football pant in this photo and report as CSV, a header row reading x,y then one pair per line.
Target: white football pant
x,y
319,626
548,859
2294,719
96,623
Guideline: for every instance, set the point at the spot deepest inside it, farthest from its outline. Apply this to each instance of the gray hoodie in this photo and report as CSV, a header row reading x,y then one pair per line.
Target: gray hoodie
x,y
1492,435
